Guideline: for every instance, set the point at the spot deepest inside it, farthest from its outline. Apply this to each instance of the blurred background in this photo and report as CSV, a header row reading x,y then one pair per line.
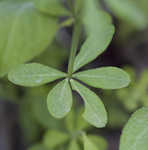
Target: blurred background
x,y
24,118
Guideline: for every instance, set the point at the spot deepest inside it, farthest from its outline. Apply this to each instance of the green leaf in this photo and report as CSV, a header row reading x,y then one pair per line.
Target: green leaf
x,y
74,145
95,112
40,110
52,7
99,31
25,33
81,124
88,144
99,141
59,99
70,121
54,56
34,74
105,77
54,138
129,11
135,133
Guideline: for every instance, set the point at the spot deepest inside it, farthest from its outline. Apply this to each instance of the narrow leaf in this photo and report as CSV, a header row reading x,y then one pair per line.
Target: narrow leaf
x,y
74,145
51,7
60,99
54,138
135,133
25,33
105,77
88,144
94,112
99,31
34,74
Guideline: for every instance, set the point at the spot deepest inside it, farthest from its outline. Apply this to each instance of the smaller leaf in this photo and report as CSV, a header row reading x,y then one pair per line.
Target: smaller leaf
x,y
94,45
34,74
59,100
70,121
52,7
99,31
95,112
74,145
88,144
99,141
135,133
54,138
105,78
81,124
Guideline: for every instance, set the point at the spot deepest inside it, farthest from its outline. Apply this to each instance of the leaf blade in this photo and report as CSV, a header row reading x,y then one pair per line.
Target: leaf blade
x,y
74,145
34,74
95,112
51,7
26,33
54,138
135,133
133,14
104,77
99,31
88,144
59,99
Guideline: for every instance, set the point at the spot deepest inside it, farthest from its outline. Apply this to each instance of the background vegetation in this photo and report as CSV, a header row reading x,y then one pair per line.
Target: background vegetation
x,y
25,122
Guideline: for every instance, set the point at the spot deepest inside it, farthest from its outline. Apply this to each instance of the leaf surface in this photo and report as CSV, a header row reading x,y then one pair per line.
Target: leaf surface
x,y
74,145
34,74
135,133
25,33
129,11
99,141
88,144
105,77
95,112
54,138
51,7
99,31
59,99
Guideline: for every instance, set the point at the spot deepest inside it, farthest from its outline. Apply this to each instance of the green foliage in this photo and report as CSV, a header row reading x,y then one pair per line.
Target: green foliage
x,y
105,78
54,138
59,99
37,98
95,112
73,145
135,133
29,126
136,94
34,75
99,31
27,29
51,7
130,11
26,33
100,143
54,56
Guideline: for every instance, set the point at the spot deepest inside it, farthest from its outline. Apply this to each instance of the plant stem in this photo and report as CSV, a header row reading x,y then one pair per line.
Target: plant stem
x,y
75,42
